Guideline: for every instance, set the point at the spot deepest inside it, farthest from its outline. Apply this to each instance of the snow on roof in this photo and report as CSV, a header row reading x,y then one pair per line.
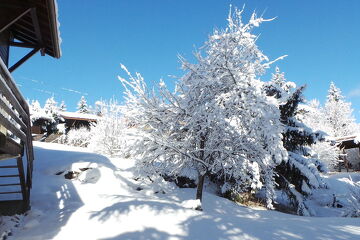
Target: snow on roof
x,y
357,139
80,116
58,26
346,138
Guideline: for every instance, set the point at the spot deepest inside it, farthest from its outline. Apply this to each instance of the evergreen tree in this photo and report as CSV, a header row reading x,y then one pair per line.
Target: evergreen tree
x,y
339,118
82,106
36,111
314,116
35,107
300,173
51,110
51,107
101,107
62,107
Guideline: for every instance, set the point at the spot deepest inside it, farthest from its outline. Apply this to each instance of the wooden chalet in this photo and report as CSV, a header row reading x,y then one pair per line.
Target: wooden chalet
x,y
30,24
75,120
347,143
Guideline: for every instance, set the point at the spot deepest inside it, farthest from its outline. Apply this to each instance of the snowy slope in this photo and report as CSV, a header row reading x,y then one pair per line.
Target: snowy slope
x,y
105,202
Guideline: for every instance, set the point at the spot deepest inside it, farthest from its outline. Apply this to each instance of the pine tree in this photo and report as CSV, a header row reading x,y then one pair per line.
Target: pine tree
x,y
101,107
339,118
35,107
36,111
300,173
51,107
51,110
314,116
62,107
82,106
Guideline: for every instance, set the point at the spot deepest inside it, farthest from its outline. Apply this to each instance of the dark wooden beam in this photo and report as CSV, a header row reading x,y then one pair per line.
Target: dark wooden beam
x,y
24,59
24,36
21,44
35,21
14,4
11,22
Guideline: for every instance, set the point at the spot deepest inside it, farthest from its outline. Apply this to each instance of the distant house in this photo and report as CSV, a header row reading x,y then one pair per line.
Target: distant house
x,y
31,25
39,126
351,147
75,120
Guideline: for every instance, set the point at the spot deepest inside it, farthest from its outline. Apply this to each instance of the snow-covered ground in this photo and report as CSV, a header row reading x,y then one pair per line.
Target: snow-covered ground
x,y
105,202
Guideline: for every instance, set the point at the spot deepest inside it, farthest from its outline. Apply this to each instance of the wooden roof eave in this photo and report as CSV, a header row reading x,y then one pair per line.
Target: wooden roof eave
x,y
79,119
52,8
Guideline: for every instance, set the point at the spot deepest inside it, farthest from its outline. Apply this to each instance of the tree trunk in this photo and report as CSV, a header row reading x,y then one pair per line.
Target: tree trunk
x,y
200,186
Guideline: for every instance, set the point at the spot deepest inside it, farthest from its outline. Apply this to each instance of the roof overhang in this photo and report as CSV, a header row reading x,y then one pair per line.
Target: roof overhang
x,y
348,142
79,116
32,24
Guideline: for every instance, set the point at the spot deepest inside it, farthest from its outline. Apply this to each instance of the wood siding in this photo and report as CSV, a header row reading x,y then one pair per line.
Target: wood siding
x,y
4,47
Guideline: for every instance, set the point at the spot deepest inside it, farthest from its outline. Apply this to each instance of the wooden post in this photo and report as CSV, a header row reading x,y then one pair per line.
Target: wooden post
x,y
22,181
24,59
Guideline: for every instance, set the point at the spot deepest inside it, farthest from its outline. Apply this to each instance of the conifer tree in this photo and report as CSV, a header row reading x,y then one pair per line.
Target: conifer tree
x,y
62,107
51,107
82,106
340,121
36,111
314,116
51,110
300,173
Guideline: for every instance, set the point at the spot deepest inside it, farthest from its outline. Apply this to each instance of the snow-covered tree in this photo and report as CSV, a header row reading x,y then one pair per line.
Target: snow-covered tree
x,y
82,106
62,107
108,137
101,107
279,87
300,173
51,111
36,111
314,116
339,118
219,122
51,108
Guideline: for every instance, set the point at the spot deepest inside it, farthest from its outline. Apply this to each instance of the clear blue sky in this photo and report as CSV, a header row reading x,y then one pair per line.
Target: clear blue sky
x,y
322,39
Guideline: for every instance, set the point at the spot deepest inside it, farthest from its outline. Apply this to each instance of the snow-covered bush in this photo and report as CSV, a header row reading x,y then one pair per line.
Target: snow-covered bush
x,y
219,121
328,153
107,134
77,137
